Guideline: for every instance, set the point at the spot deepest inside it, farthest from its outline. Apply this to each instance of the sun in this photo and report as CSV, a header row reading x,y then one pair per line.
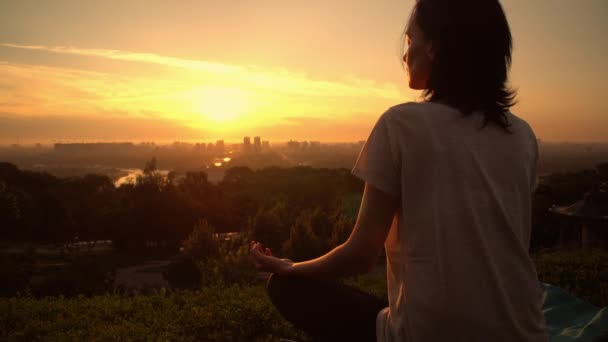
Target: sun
x,y
221,105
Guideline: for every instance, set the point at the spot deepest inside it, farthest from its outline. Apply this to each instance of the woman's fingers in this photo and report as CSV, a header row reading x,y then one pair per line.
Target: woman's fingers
x,y
257,258
263,258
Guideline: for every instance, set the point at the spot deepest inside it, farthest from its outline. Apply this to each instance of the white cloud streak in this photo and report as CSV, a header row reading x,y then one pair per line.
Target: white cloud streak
x,y
276,80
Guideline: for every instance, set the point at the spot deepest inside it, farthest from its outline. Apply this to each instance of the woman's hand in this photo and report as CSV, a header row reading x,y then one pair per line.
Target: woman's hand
x,y
264,261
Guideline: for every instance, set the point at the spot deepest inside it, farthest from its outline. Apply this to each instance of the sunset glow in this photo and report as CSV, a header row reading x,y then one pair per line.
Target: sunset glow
x,y
296,72
225,106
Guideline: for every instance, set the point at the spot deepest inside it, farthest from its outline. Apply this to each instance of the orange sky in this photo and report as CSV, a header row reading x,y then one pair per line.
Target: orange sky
x,y
314,70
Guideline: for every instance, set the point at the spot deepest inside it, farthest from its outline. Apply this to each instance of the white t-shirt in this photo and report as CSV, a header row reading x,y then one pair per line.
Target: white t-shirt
x,y
458,267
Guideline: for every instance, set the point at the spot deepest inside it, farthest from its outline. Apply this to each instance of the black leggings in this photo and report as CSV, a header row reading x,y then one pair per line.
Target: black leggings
x,y
327,310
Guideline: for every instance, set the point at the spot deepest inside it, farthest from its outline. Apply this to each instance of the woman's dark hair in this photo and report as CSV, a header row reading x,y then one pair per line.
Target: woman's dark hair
x,y
472,47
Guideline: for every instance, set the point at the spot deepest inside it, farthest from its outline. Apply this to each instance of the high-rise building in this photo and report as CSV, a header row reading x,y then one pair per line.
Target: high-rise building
x,y
200,147
246,144
265,145
293,145
257,144
219,146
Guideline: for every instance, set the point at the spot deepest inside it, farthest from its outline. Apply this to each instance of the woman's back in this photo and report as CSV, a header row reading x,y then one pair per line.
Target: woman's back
x,y
457,253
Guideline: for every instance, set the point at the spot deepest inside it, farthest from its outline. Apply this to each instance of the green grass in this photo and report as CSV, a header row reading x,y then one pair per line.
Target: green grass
x,y
373,283
210,314
236,313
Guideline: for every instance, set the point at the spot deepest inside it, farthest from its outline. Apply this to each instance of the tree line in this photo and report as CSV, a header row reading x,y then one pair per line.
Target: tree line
x,y
300,211
161,210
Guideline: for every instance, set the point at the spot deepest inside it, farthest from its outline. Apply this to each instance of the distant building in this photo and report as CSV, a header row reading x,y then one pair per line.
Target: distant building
x,y
92,147
257,144
200,147
178,145
265,145
293,145
210,148
219,146
246,144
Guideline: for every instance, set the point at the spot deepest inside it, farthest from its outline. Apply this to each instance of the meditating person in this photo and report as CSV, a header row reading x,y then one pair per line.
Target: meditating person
x,y
448,187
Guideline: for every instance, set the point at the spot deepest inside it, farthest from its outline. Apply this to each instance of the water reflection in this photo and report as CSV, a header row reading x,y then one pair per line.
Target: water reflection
x,y
217,162
131,176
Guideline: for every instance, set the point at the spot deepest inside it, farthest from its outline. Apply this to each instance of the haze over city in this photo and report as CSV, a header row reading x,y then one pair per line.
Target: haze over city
x,y
315,70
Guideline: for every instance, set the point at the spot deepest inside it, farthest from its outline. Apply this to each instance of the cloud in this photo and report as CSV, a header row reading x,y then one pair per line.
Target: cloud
x,y
32,90
274,79
227,100
133,57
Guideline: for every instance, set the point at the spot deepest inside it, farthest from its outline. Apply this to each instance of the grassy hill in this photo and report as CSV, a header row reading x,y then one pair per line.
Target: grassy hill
x,y
230,313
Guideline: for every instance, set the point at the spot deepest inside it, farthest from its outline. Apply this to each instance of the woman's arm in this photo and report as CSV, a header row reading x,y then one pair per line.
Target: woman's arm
x,y
357,255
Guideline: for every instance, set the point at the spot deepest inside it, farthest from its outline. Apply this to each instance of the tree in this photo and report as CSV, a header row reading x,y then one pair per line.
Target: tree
x,y
303,243
201,243
322,225
151,176
270,226
343,227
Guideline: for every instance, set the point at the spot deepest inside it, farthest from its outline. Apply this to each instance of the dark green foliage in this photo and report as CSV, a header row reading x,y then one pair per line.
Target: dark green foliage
x,y
160,211
299,187
201,243
237,313
304,243
373,283
341,231
208,260
270,226
231,266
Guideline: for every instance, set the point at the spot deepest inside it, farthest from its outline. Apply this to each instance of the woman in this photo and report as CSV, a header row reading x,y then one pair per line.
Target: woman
x,y
448,187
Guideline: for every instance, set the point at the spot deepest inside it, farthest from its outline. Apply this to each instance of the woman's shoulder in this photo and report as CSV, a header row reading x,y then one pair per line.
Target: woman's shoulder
x,y
425,111
403,110
417,110
405,107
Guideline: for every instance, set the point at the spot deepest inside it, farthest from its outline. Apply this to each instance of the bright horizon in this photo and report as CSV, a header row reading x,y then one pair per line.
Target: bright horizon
x,y
75,71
